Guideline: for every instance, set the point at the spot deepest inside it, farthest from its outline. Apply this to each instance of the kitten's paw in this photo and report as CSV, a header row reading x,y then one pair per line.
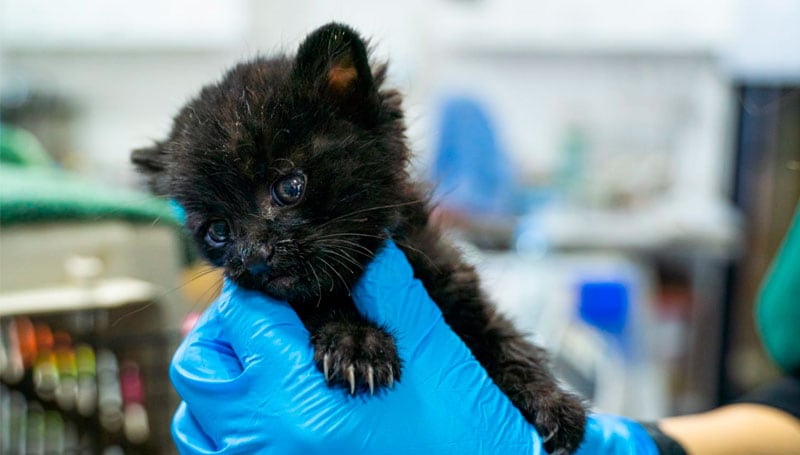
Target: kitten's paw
x,y
358,356
560,419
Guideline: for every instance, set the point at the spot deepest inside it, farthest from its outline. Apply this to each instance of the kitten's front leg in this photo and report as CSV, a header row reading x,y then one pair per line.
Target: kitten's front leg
x,y
350,350
519,368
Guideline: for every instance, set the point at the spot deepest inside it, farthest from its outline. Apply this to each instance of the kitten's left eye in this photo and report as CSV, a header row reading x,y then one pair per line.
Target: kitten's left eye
x,y
218,233
288,190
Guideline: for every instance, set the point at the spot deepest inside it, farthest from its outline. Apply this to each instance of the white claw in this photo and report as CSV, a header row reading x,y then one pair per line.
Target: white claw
x,y
351,378
391,376
326,366
371,380
550,436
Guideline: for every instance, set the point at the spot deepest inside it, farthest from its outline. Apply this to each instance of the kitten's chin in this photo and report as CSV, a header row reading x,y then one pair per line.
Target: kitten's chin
x,y
282,287
279,287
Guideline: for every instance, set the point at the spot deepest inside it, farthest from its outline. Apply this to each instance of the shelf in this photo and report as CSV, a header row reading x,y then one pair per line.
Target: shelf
x,y
107,293
706,229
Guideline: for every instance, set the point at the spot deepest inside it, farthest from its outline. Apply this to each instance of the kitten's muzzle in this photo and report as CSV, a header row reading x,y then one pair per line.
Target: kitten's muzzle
x,y
258,262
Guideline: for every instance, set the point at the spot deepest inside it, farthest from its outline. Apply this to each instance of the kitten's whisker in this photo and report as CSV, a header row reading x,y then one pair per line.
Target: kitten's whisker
x,y
329,276
207,295
306,268
339,262
420,252
399,243
132,312
343,250
330,254
380,207
343,256
337,274
353,234
353,246
216,284
194,277
346,257
319,286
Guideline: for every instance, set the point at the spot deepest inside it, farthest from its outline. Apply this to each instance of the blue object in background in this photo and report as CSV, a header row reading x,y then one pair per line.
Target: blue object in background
x,y
472,174
605,305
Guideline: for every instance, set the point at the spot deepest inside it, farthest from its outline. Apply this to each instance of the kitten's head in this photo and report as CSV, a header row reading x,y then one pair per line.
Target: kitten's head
x,y
290,169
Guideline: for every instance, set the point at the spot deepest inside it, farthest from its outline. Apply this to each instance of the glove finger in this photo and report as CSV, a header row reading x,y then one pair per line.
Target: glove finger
x,y
188,436
226,393
205,371
204,353
389,295
258,327
245,344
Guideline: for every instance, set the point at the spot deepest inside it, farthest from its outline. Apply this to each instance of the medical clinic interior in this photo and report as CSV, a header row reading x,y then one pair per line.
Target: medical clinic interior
x,y
621,175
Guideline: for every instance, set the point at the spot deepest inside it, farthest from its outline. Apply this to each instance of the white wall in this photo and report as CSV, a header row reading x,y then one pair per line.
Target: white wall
x,y
640,76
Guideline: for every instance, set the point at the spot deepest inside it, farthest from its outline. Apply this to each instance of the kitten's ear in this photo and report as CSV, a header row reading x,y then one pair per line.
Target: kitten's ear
x,y
333,60
151,162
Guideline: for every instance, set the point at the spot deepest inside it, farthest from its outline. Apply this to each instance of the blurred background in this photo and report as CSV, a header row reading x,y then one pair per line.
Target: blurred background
x,y
621,173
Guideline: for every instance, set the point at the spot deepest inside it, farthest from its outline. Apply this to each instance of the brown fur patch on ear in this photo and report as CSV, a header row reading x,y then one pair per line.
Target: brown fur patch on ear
x,y
341,79
342,74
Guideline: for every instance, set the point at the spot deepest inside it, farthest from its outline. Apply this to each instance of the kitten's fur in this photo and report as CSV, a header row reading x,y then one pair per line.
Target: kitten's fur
x,y
324,115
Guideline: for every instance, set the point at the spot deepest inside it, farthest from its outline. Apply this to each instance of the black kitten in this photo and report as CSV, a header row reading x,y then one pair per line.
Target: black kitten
x,y
291,171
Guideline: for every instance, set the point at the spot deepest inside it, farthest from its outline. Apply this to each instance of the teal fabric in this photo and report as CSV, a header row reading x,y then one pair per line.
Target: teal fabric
x,y
40,194
778,308
33,189
21,148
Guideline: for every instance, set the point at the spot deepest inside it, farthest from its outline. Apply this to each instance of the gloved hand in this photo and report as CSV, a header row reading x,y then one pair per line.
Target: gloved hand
x,y
609,434
249,383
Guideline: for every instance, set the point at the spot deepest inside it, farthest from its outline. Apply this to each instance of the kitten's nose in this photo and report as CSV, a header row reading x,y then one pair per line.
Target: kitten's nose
x,y
258,268
258,262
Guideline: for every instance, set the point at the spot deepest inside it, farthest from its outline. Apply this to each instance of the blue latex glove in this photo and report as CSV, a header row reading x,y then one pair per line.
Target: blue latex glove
x,y
249,383
609,434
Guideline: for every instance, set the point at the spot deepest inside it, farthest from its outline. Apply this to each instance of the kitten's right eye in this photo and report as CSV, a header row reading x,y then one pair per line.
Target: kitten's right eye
x,y
218,233
288,190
